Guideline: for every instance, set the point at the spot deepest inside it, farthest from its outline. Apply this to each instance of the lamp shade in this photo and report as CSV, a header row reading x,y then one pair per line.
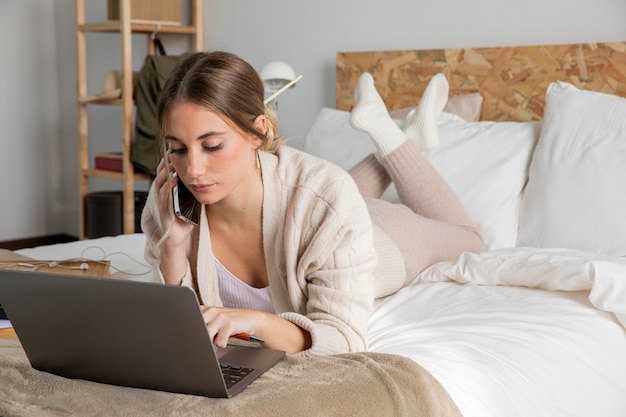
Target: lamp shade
x,y
275,75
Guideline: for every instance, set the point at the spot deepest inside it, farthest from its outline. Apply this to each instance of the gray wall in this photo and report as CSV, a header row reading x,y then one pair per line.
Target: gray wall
x,y
38,110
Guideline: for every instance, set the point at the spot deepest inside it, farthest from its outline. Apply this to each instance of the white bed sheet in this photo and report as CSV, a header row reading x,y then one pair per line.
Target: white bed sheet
x,y
516,332
509,351
498,347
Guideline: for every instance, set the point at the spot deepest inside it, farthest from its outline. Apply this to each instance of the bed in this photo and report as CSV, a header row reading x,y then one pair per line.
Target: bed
x,y
532,142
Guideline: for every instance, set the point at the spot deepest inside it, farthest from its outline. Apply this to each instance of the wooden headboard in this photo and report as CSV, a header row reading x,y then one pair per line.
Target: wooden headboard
x,y
512,80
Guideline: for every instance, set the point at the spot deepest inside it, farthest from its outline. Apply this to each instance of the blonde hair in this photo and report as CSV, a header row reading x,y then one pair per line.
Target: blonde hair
x,y
225,84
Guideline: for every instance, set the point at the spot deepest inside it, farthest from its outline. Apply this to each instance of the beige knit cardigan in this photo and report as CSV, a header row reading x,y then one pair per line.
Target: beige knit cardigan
x,y
319,249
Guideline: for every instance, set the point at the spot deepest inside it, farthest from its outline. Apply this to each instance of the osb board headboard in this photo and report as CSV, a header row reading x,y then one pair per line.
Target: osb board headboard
x,y
512,80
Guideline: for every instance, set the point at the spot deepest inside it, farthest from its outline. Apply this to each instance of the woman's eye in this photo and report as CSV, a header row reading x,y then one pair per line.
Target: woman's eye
x,y
213,148
173,151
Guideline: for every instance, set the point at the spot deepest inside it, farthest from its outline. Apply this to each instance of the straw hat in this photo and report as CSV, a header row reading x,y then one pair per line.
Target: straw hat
x,y
111,87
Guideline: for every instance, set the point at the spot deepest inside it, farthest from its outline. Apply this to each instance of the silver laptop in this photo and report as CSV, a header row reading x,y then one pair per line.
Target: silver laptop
x,y
128,333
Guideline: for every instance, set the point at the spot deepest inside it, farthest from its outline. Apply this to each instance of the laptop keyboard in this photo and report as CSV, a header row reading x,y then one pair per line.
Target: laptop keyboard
x,y
233,374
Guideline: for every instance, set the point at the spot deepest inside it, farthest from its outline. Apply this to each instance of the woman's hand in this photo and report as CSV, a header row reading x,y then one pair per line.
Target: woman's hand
x,y
173,259
178,229
277,332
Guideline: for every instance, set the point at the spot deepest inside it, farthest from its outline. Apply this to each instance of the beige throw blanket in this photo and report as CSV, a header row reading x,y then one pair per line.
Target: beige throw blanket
x,y
356,384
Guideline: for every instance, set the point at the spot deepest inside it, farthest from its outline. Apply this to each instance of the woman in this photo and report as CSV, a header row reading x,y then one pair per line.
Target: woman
x,y
285,246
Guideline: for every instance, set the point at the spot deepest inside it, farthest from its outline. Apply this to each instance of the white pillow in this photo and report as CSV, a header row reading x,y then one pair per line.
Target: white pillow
x,y
466,106
485,163
576,196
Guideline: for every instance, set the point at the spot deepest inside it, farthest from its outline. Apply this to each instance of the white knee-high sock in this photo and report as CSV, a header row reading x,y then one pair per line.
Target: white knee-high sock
x,y
370,115
421,123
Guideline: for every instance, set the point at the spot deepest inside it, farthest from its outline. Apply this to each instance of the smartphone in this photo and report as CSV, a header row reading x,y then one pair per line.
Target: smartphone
x,y
186,206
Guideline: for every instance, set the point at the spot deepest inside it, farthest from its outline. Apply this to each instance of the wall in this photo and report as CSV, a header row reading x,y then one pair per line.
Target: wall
x,y
38,108
38,112
30,157
308,34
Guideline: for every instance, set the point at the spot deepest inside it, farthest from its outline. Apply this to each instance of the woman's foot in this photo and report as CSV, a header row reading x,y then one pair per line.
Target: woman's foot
x,y
421,124
370,115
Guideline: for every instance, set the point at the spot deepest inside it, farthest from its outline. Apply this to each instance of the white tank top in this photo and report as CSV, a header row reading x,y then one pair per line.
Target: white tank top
x,y
237,294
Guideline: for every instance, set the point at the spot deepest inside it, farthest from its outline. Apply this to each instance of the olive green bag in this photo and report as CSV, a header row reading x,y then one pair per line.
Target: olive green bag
x,y
146,151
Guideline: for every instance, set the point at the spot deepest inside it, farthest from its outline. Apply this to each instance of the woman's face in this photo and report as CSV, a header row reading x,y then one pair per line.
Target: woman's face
x,y
212,157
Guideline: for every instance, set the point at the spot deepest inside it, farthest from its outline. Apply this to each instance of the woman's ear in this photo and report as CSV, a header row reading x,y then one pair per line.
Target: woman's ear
x,y
260,124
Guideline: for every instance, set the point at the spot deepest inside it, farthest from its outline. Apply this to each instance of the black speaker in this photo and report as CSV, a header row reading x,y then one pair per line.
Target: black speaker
x,y
105,213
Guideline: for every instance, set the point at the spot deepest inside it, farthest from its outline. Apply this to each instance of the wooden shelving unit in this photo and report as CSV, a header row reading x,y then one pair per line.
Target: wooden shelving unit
x,y
125,27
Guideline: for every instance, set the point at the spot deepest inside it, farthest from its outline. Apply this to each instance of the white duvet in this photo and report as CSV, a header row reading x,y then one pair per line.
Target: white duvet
x,y
509,333
516,332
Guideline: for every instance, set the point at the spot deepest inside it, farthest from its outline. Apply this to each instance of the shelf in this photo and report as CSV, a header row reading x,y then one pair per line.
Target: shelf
x,y
137,26
104,101
125,28
114,175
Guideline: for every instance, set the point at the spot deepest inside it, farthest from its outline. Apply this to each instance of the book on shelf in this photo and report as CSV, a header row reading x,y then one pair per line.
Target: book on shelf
x,y
109,161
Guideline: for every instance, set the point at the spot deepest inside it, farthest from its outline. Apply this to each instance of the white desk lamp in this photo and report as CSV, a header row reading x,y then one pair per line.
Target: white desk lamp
x,y
277,77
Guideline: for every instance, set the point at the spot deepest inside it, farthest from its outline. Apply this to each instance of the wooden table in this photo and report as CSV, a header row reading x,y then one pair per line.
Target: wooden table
x,y
98,269
8,333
